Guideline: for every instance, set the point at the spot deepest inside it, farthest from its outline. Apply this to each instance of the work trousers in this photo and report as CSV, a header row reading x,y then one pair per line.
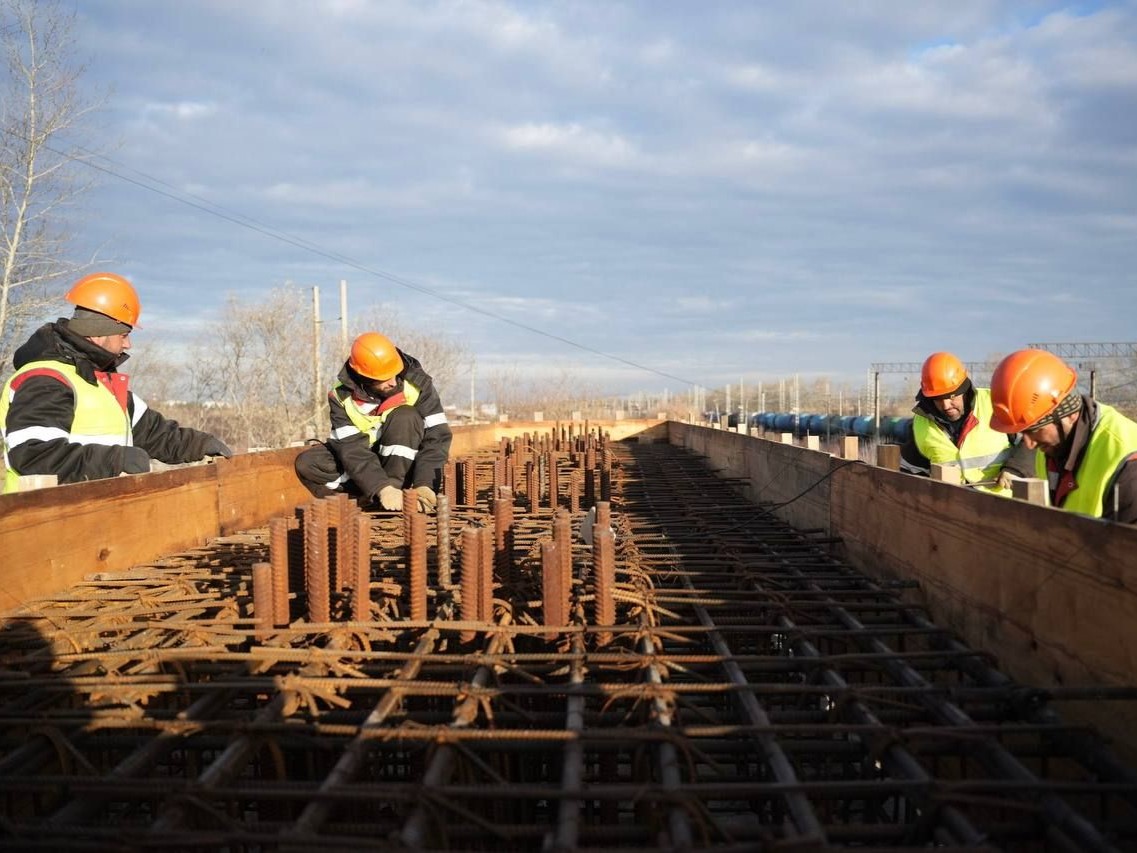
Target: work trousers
x,y
323,475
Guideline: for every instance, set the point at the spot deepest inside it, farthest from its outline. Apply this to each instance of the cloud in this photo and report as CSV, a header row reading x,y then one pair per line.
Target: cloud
x,y
731,178
570,141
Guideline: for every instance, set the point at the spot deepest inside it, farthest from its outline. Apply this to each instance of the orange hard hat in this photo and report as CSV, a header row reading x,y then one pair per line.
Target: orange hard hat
x,y
1026,387
109,294
942,375
374,356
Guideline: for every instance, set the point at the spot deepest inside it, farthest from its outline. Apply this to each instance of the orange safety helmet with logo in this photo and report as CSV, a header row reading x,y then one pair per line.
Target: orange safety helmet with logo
x,y
374,356
942,375
1027,387
109,294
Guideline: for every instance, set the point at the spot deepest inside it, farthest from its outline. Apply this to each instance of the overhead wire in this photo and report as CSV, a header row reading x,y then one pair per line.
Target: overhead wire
x,y
159,187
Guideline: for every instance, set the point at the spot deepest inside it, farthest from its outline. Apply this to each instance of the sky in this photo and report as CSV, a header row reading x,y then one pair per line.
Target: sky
x,y
646,195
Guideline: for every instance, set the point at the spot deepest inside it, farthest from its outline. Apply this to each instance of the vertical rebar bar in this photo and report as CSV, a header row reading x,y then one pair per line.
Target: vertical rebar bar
x,y
532,487
263,610
503,535
442,530
554,480
551,585
417,568
316,561
604,582
485,608
278,558
470,578
344,512
470,483
361,529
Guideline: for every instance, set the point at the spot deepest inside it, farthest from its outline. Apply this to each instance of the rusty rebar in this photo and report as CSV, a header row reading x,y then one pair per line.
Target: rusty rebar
x,y
552,584
278,551
486,573
417,580
470,579
442,532
503,535
263,610
604,582
316,585
344,512
450,481
469,482
361,594
554,480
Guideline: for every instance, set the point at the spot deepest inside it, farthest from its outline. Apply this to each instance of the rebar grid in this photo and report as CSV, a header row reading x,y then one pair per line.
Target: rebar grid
x,y
709,679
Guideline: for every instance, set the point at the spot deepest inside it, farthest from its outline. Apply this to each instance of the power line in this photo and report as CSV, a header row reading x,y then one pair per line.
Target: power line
x,y
156,185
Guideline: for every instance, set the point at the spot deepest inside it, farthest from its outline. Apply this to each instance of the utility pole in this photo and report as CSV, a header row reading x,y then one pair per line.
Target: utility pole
x,y
472,370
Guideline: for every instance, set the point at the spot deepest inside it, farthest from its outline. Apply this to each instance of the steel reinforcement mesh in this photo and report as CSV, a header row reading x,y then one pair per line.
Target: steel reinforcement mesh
x,y
700,677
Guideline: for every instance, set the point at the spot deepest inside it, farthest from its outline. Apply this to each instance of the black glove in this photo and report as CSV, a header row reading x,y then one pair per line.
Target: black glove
x,y
135,460
216,447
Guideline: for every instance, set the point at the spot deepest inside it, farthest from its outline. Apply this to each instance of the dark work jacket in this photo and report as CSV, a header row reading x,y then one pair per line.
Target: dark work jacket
x,y
47,402
357,457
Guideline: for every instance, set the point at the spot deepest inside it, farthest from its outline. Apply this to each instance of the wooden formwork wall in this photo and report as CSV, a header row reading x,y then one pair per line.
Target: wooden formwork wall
x,y
53,538
1051,595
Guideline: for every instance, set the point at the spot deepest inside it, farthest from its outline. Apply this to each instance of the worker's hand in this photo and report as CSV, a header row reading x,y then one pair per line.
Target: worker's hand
x,y
135,460
216,447
391,498
427,499
1004,480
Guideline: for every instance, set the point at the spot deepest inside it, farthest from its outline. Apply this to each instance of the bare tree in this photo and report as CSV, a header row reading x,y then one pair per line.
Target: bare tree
x,y
254,375
38,180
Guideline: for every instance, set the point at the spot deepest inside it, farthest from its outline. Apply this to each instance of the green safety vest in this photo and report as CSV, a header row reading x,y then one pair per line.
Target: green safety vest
x,y
371,423
981,451
101,415
1112,443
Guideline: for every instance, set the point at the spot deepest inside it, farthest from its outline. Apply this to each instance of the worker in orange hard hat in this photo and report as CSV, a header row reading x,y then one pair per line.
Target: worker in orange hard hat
x,y
68,411
389,432
1086,450
950,427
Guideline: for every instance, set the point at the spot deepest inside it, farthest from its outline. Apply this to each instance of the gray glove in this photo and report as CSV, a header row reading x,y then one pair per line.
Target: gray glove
x,y
391,498
216,447
135,460
427,499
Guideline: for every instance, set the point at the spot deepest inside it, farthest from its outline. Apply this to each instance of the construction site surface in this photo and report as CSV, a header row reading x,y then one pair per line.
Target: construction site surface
x,y
618,635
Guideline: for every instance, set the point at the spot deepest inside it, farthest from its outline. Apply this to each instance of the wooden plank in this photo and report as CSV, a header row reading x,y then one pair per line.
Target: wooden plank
x,y
254,487
53,538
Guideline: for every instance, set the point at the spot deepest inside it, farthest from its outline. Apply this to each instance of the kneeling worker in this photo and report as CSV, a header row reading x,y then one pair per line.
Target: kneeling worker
x,y
388,430
67,410
950,426
1086,450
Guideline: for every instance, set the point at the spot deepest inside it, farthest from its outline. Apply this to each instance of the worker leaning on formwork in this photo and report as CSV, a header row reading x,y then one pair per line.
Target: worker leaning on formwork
x,y
388,430
67,410
950,426
1085,450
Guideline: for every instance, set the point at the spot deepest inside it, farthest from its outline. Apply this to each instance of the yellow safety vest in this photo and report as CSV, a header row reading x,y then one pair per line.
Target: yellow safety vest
x,y
370,423
100,417
981,452
1111,444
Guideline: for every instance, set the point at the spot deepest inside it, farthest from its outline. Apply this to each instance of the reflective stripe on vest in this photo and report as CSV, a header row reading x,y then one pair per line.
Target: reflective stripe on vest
x,y
981,452
100,411
368,418
1111,444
